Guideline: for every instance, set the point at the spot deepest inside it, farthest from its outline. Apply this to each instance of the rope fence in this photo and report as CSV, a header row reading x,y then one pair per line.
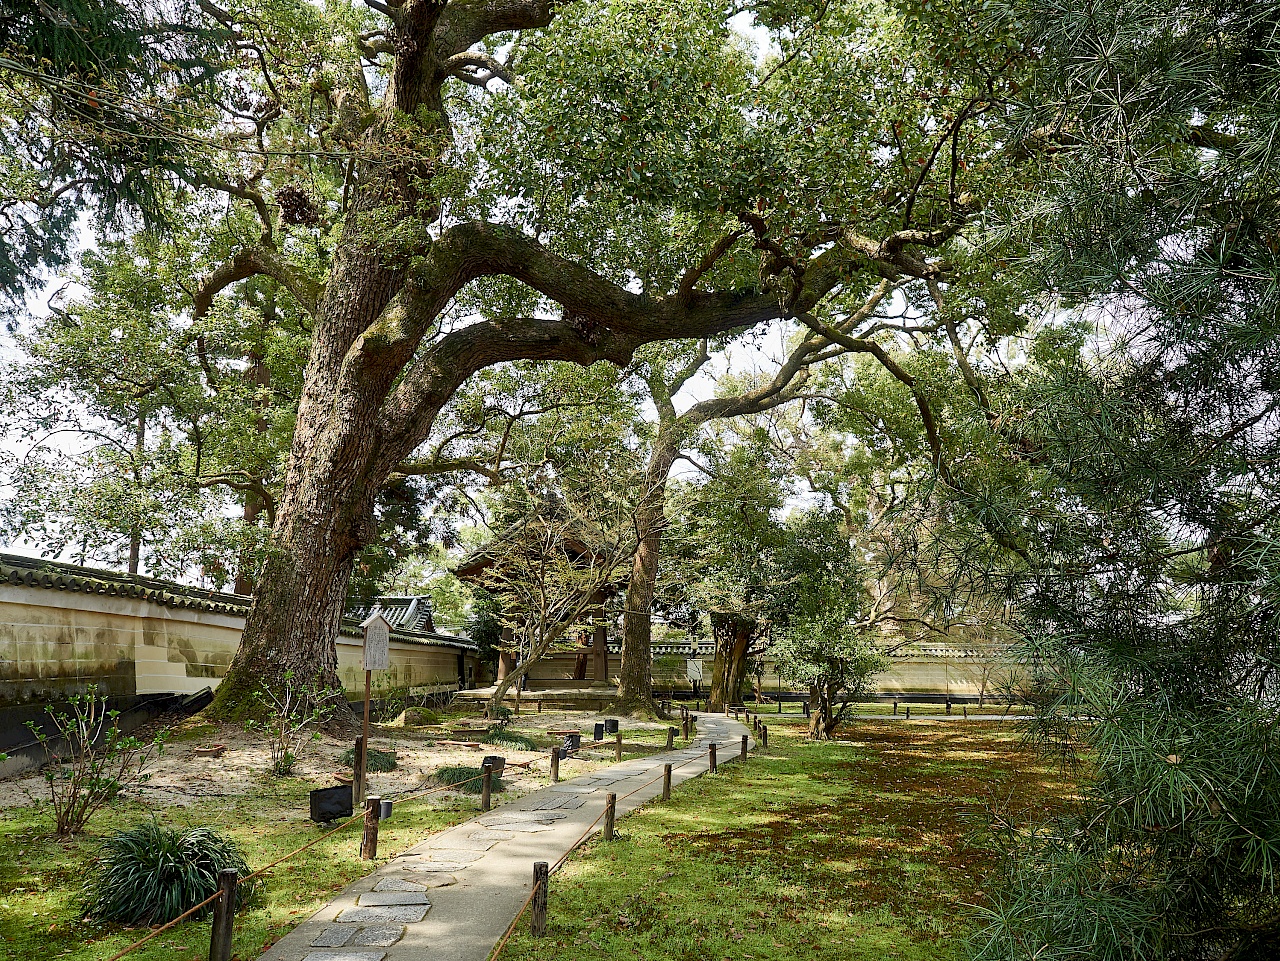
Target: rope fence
x,y
220,941
560,862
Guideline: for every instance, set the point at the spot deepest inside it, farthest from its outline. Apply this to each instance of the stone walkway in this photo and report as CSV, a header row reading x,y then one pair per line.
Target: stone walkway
x,y
452,897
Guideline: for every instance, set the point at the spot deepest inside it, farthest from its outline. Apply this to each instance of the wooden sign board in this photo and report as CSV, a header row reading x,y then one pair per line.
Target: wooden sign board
x,y
377,643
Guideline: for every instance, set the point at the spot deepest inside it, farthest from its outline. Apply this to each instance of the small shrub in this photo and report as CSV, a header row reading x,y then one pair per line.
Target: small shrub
x,y
150,874
375,761
289,717
97,762
468,780
510,739
503,714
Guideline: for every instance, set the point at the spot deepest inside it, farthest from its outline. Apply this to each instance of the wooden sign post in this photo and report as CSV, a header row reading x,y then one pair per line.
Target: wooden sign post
x,y
377,657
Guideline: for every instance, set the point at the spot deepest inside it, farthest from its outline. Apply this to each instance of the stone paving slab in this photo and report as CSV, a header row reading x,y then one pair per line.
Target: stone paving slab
x,y
379,935
403,914
477,874
396,883
384,898
334,936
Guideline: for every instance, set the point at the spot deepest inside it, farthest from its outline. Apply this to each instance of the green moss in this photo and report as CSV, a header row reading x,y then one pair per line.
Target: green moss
x,y
41,884
808,851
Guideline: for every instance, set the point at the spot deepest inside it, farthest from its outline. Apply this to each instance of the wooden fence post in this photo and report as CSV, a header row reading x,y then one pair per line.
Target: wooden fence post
x,y
357,774
610,809
666,782
369,844
764,736
617,746
224,916
671,738
711,760
684,727
555,765
486,802
742,754
538,920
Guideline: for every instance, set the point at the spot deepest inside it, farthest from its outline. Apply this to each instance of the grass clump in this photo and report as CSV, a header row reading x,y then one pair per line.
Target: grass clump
x,y
149,874
468,780
375,761
510,740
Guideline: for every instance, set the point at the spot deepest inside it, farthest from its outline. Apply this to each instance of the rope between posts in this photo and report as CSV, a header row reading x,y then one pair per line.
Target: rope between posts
x,y
181,917
359,818
560,862
354,819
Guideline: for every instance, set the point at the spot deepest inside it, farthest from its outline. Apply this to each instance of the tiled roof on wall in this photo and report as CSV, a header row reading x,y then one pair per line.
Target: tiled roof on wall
x,y
412,623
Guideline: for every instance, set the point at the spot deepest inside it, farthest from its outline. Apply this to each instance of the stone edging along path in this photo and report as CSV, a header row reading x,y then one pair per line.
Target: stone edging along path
x,y
451,897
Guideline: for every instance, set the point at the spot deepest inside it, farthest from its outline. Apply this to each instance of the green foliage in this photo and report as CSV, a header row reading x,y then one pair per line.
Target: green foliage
x,y
286,720
509,739
468,780
1146,510
151,874
90,760
111,82
375,761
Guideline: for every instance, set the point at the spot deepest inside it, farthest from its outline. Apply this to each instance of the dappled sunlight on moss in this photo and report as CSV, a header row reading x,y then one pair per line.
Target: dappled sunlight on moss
x,y
843,850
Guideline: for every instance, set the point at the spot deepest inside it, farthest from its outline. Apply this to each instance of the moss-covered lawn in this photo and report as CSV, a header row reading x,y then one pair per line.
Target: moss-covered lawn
x,y
40,877
858,849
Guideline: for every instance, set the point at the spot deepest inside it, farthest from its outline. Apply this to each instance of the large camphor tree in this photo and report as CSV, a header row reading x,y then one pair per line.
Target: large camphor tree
x,y
443,187
637,179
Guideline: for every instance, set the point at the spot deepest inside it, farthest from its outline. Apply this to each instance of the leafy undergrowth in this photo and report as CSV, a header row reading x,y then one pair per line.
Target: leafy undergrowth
x,y
41,878
850,850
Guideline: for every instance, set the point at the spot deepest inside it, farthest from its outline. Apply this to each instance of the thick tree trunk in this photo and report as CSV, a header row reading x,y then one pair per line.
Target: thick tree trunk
x,y
289,638
733,636
325,515
822,723
635,676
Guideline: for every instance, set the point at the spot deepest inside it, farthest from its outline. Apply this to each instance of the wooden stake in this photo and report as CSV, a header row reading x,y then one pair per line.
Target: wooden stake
x,y
764,736
742,754
671,738
555,765
711,760
357,774
224,916
610,809
369,844
538,917
617,746
364,741
666,782
486,802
